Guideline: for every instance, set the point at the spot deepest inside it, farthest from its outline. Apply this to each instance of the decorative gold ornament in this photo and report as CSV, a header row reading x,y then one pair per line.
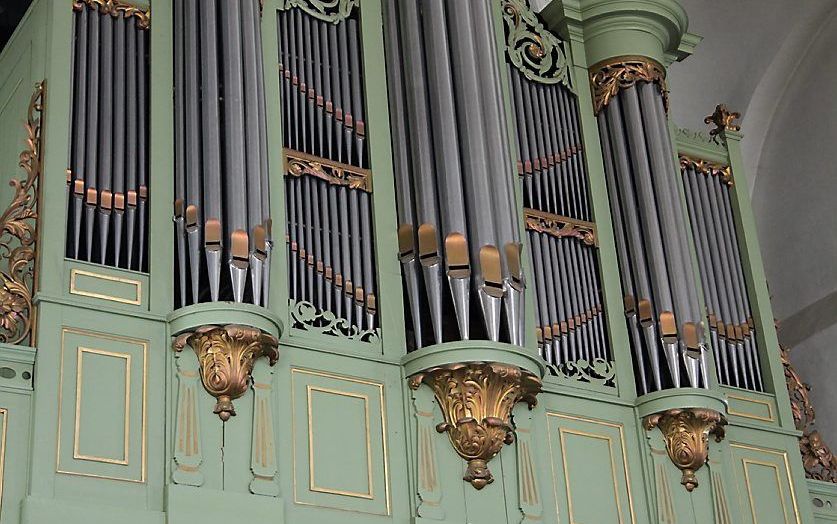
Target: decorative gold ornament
x,y
722,119
707,168
299,164
535,51
114,7
608,77
477,399
19,234
333,11
560,226
686,433
226,355
817,458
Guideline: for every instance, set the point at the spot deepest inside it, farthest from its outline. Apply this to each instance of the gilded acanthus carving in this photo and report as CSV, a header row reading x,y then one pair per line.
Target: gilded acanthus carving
x,y
19,234
686,434
477,399
298,164
707,168
611,76
560,226
819,461
114,8
226,355
327,10
530,47
722,119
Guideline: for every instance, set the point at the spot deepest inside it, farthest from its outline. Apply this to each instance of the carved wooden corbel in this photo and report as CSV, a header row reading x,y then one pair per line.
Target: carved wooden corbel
x,y
686,434
477,399
226,355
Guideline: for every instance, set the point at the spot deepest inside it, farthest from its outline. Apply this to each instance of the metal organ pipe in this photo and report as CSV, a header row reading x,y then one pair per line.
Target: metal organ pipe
x,y
108,133
221,180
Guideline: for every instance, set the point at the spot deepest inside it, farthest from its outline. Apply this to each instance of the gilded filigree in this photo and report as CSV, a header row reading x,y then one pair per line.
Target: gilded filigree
x,y
477,399
817,458
560,226
611,76
333,11
19,234
115,8
306,316
686,434
299,164
226,355
707,168
530,47
722,119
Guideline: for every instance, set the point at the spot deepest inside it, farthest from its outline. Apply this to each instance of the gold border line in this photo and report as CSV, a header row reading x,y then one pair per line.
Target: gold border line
x,y
74,272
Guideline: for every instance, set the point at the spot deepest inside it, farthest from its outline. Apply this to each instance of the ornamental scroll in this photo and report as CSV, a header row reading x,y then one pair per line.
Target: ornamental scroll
x,y
560,226
19,235
611,76
531,48
333,11
114,7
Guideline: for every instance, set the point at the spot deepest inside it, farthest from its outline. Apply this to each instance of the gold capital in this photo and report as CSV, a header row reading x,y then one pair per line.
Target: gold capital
x,y
477,399
686,433
226,355
613,75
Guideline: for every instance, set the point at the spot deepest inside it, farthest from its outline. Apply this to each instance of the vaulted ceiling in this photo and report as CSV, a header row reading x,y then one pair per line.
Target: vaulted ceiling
x,y
11,11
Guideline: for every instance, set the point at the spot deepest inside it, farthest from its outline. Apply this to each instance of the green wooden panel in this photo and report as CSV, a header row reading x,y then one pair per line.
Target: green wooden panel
x,y
104,286
102,405
14,452
339,442
749,407
823,500
590,472
765,484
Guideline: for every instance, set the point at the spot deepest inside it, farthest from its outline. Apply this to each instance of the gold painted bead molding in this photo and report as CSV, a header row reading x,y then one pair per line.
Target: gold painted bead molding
x,y
686,434
477,399
226,355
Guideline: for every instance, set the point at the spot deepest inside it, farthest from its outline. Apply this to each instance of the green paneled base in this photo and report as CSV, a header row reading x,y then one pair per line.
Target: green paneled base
x,y
187,505
44,511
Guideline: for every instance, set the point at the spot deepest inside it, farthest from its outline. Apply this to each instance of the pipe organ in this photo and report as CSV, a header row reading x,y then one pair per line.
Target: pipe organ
x,y
107,176
658,280
526,189
328,184
727,305
459,244
222,198
561,238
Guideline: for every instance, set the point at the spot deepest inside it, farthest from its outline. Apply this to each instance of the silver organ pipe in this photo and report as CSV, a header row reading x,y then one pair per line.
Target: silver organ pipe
x,y
328,184
551,165
660,288
727,305
221,208
458,236
108,135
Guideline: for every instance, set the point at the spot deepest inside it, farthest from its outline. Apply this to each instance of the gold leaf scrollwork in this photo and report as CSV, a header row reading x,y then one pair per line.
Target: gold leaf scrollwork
x,y
560,226
611,76
477,399
686,434
226,355
723,120
114,8
530,47
333,11
19,234
707,168
308,317
817,458
298,164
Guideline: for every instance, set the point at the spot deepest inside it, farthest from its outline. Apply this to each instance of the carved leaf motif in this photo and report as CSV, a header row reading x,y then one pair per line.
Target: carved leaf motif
x,y
598,371
532,49
18,234
114,8
333,11
306,316
610,77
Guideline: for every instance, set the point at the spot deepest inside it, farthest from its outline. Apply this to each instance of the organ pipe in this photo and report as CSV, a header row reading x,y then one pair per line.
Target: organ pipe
x,y
108,149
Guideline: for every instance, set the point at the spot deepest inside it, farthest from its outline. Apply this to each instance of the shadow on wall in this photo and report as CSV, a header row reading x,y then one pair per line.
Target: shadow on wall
x,y
11,11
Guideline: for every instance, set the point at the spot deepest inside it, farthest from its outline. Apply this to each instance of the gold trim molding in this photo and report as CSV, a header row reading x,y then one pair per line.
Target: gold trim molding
x,y
723,120
705,167
226,355
336,173
114,8
74,290
477,399
610,76
560,226
686,434
19,234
